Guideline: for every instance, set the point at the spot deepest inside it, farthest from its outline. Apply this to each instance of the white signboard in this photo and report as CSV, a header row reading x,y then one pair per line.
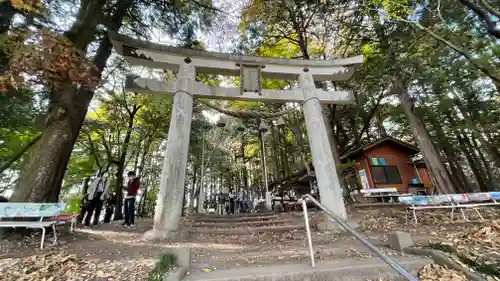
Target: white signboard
x,y
364,179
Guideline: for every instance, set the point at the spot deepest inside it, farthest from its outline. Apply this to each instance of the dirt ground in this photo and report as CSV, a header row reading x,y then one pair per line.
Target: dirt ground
x,y
106,252
111,252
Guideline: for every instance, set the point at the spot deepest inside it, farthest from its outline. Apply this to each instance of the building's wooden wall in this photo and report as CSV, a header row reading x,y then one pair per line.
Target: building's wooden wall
x,y
394,156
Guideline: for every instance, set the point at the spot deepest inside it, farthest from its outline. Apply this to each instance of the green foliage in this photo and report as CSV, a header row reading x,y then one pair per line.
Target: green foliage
x,y
73,205
164,265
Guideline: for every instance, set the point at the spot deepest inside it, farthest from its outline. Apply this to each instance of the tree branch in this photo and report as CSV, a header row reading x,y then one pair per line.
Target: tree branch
x,y
490,8
94,151
20,153
490,25
487,70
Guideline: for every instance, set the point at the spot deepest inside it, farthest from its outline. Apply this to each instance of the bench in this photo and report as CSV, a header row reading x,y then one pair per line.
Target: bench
x,y
450,201
391,193
14,215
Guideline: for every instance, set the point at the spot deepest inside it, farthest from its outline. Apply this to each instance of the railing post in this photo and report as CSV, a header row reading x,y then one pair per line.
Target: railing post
x,y
308,229
399,269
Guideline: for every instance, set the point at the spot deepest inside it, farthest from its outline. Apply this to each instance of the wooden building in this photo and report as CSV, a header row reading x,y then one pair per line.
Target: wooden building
x,y
387,163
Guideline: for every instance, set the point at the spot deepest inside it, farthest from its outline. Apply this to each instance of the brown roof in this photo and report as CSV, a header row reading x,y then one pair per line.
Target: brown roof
x,y
411,149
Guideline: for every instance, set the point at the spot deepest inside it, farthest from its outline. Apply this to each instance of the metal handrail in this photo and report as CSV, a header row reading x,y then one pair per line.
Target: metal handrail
x,y
403,272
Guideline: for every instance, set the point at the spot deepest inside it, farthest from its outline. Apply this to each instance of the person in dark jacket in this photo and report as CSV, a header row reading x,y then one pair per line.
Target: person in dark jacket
x,y
84,208
110,207
132,188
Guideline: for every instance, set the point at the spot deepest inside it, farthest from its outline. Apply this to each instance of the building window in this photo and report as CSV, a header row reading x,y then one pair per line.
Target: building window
x,y
386,174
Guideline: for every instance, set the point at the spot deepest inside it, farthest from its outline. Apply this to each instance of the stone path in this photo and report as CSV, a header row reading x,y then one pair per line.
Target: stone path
x,y
250,245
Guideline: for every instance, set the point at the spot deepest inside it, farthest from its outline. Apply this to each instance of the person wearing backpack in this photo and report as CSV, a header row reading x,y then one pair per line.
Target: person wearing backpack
x,y
95,195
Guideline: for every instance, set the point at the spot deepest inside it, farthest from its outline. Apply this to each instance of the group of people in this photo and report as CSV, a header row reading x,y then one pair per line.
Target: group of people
x,y
98,196
238,203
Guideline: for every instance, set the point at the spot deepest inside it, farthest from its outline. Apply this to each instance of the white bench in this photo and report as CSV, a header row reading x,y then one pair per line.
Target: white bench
x,y
378,191
382,193
14,215
451,201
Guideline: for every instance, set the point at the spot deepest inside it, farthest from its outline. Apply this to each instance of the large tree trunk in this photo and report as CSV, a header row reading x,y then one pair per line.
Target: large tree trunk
x,y
431,156
481,133
481,182
243,160
41,180
458,176
486,165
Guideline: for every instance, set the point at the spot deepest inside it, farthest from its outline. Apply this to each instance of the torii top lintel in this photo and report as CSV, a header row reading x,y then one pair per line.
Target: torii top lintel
x,y
138,52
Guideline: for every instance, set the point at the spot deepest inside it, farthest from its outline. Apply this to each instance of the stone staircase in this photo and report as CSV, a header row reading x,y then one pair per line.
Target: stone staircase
x,y
244,224
266,246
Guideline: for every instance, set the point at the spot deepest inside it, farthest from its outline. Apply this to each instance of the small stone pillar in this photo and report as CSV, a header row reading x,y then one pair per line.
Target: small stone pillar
x,y
168,210
400,240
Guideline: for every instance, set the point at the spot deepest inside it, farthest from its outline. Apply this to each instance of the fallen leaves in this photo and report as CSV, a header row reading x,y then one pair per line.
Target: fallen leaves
x,y
63,266
435,272
476,245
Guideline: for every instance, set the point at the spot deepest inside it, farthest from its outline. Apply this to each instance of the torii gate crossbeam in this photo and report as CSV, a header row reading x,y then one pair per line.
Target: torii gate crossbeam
x,y
185,89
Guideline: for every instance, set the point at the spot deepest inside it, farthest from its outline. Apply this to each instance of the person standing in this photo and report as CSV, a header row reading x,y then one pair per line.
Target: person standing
x,y
242,201
84,207
94,195
110,207
231,202
132,188
101,195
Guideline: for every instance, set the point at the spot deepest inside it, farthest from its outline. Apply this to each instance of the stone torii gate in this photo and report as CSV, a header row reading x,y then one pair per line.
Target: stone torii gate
x,y
251,68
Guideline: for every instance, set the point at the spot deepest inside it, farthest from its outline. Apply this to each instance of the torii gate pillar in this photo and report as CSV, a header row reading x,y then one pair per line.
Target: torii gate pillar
x,y
321,151
168,210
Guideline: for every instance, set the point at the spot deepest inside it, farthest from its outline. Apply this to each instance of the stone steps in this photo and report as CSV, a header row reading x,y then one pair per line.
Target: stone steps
x,y
245,215
237,258
231,219
242,224
247,230
347,269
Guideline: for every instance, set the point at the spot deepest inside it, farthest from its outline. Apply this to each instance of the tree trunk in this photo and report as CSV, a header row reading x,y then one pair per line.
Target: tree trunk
x,y
472,163
42,178
458,176
194,190
431,157
136,157
121,163
283,153
275,154
476,126
489,174
244,167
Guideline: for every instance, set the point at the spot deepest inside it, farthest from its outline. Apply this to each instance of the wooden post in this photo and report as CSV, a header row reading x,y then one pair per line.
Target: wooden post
x,y
170,197
324,165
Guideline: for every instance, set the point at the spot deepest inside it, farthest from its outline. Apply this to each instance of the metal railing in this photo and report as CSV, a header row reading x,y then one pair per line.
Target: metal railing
x,y
403,272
